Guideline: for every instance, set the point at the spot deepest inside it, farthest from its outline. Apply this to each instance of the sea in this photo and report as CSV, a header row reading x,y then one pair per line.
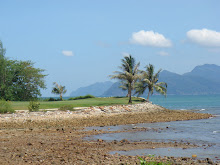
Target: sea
x,y
204,133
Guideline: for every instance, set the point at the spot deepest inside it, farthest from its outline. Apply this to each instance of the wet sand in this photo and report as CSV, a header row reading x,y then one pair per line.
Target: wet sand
x,y
58,138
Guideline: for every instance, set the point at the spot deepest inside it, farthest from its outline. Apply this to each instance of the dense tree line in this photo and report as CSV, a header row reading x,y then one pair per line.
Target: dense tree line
x,y
19,80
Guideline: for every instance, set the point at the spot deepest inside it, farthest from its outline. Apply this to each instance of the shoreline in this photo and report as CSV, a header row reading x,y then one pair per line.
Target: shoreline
x,y
57,137
98,116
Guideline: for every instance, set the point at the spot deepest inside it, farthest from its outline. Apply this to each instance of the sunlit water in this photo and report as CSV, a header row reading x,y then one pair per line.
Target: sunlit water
x,y
205,133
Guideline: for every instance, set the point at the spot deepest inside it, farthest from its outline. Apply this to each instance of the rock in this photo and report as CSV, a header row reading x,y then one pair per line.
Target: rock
x,y
209,161
124,141
184,159
194,156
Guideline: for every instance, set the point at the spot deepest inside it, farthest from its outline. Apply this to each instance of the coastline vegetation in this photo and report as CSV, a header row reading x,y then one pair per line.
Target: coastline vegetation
x,y
81,97
6,107
149,80
98,101
59,90
33,106
138,80
128,75
19,80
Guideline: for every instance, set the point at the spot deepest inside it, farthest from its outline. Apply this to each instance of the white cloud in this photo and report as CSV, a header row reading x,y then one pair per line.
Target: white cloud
x,y
204,37
162,53
67,53
150,38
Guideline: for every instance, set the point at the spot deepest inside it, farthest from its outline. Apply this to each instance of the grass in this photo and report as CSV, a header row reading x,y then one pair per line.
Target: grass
x,y
23,105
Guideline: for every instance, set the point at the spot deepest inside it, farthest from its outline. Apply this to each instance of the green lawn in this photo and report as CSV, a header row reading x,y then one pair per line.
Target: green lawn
x,y
22,105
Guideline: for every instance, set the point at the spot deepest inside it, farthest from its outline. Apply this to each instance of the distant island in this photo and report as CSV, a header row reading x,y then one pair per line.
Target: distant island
x,y
202,80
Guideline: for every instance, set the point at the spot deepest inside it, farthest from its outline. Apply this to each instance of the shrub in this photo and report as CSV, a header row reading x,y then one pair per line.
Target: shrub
x,y
66,107
5,107
53,99
33,106
81,97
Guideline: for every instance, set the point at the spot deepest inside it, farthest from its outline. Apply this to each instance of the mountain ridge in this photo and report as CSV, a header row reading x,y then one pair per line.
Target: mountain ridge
x,y
202,80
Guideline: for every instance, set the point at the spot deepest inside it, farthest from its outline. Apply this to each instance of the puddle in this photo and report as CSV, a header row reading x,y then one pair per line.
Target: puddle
x,y
204,133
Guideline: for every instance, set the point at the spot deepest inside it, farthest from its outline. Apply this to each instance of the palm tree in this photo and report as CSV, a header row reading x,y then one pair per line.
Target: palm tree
x,y
128,74
59,90
149,81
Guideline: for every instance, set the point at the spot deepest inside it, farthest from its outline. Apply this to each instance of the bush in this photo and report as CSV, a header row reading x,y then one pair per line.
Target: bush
x,y
66,107
5,107
52,99
81,97
33,106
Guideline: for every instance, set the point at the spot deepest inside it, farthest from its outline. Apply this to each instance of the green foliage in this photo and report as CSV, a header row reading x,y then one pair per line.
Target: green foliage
x,y
149,80
33,106
128,74
152,161
59,90
52,99
66,107
6,107
82,97
19,80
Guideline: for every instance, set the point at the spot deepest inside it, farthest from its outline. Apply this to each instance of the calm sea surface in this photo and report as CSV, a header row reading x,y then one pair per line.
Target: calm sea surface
x,y
205,133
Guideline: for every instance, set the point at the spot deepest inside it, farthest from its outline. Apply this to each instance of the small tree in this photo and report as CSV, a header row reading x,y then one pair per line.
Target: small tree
x,y
149,80
128,74
59,90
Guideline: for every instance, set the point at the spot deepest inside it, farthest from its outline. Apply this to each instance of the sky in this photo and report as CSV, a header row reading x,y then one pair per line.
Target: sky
x,y
82,42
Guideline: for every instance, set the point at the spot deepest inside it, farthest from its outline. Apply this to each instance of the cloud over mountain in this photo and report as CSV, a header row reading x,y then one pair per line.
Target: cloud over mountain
x,y
204,37
150,38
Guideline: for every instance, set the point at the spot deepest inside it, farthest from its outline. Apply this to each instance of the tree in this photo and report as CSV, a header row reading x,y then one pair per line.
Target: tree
x,y
27,80
19,80
59,90
149,81
2,70
128,74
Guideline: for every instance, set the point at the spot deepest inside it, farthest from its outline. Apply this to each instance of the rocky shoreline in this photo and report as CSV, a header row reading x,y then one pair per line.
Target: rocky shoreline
x,y
56,137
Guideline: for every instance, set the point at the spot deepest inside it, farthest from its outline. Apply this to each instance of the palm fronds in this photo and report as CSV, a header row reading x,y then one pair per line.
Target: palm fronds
x,y
128,75
149,81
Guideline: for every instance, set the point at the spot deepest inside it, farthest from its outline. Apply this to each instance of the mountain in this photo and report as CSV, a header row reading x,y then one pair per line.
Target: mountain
x,y
96,89
114,90
202,80
188,84
207,71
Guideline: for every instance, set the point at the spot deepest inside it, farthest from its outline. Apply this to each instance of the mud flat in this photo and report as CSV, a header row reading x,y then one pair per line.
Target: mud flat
x,y
56,137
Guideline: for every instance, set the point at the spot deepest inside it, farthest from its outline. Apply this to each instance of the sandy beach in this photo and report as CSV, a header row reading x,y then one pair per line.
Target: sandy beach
x,y
56,137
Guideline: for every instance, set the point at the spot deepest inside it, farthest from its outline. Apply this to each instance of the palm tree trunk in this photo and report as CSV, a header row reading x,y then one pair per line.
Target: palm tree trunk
x,y
129,94
61,97
148,96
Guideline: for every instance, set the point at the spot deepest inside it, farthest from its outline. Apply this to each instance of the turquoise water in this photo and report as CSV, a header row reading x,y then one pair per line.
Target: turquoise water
x,y
205,133
190,102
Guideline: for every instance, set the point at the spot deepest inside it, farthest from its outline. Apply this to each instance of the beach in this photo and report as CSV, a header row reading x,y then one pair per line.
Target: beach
x,y
58,137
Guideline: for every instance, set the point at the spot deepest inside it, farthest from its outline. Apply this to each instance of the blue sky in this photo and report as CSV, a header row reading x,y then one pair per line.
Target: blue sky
x,y
82,42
